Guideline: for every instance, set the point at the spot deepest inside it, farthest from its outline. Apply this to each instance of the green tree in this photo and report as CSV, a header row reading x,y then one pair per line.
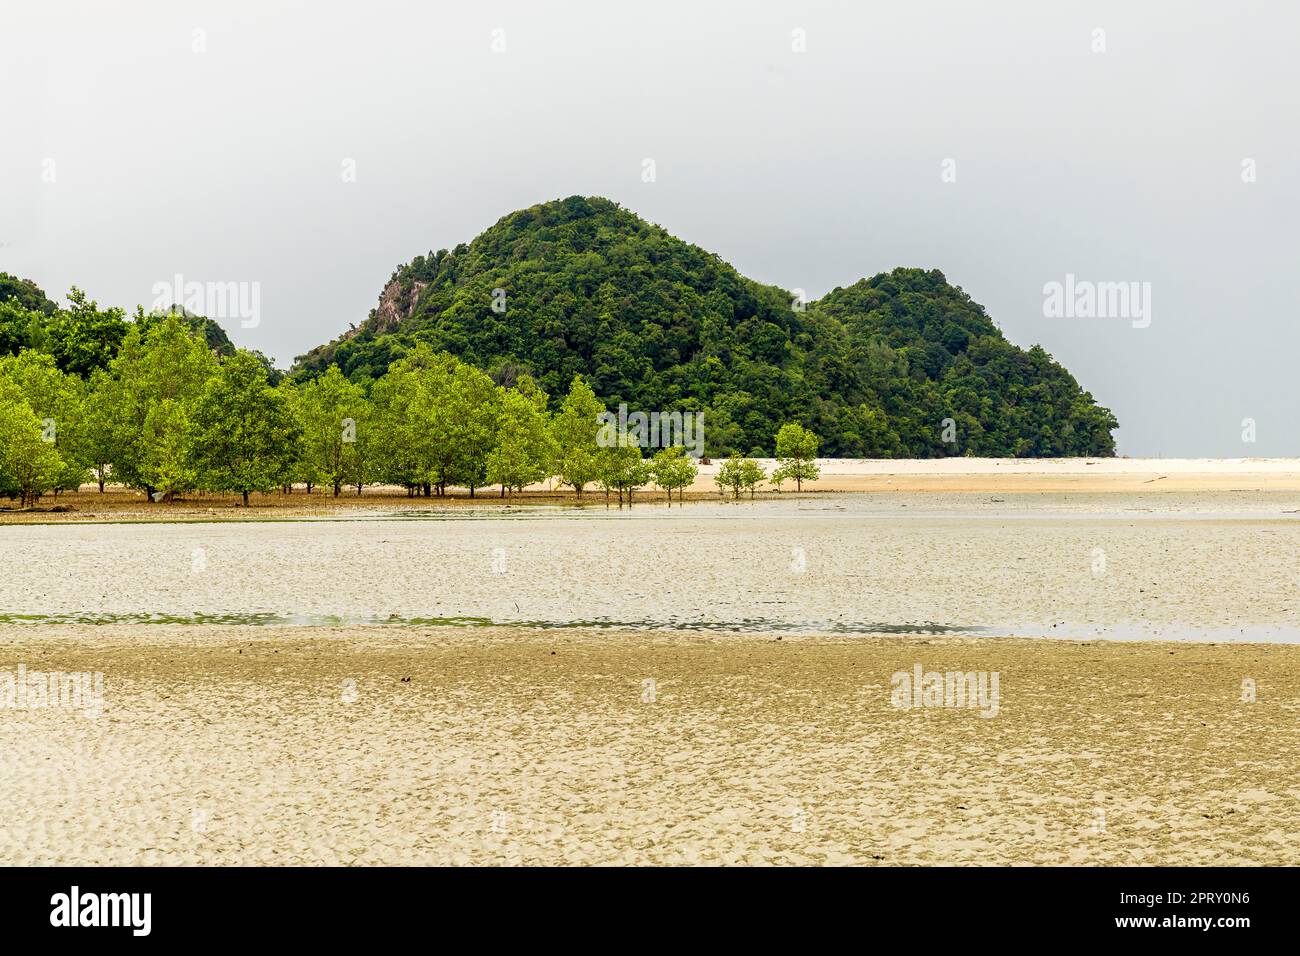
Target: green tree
x,y
751,475
673,468
404,401
165,363
85,338
99,439
525,451
330,409
167,466
730,475
469,415
796,454
25,293
29,465
56,400
242,435
21,328
575,429
621,468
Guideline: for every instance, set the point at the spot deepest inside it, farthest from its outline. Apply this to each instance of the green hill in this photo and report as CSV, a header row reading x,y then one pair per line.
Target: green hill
x,y
587,287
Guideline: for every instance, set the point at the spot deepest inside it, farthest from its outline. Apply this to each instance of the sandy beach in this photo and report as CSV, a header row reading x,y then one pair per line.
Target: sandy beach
x,y
1155,477
713,684
446,746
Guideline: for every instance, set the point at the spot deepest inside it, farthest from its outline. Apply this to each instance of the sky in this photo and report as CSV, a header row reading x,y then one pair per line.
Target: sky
x,y
305,150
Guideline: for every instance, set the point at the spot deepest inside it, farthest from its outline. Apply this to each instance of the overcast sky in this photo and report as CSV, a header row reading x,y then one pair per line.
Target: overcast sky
x,y
135,148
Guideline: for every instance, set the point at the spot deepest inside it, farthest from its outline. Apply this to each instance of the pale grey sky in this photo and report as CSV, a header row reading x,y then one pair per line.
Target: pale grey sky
x,y
804,169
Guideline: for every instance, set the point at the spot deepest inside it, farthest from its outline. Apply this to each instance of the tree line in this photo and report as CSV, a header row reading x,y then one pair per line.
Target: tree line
x,y
169,414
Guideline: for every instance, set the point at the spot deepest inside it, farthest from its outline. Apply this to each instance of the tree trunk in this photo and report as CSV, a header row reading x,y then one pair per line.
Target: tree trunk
x,y
245,499
358,491
101,486
503,491
338,486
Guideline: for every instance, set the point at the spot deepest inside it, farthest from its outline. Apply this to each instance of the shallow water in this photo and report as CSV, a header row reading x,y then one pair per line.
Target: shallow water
x,y
1213,567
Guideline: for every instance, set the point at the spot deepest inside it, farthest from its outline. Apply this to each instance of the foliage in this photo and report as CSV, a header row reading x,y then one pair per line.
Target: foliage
x,y
56,401
658,323
671,468
333,415
526,450
243,436
796,453
739,473
25,294
157,377
620,468
29,465
575,432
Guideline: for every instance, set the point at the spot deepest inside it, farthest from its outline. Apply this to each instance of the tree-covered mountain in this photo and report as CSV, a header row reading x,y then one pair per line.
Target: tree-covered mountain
x,y
582,286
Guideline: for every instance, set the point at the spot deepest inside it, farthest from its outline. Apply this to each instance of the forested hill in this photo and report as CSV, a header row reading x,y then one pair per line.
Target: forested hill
x,y
586,287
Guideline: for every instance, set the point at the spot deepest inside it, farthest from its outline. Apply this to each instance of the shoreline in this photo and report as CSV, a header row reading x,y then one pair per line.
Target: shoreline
x,y
229,745
956,476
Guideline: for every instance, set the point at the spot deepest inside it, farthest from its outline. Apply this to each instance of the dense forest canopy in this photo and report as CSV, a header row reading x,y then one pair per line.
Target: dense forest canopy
x,y
900,365
903,364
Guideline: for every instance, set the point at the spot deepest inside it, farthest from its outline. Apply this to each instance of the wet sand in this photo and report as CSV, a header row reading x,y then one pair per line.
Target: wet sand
x,y
1213,566
225,745
706,684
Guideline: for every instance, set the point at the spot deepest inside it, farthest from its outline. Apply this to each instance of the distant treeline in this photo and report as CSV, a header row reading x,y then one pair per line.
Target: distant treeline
x,y
161,409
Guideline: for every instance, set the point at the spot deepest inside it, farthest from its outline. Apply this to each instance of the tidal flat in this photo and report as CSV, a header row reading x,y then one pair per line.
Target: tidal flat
x,y
715,683
388,745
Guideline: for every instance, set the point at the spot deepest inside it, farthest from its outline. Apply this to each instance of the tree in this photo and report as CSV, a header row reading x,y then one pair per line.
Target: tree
x,y
99,439
242,436
751,475
796,453
25,293
406,436
167,467
56,400
329,410
85,338
673,468
20,327
166,362
469,414
730,475
525,449
576,426
29,465
723,436
621,468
